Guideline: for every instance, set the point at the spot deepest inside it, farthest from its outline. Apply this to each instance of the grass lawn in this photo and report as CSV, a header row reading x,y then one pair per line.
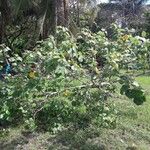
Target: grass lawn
x,y
133,128
132,131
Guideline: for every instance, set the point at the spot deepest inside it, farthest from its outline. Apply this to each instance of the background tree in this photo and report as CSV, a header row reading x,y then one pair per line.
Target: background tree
x,y
124,13
130,7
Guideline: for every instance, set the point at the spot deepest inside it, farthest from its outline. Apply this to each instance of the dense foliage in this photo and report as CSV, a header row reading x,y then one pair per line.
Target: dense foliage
x,y
66,80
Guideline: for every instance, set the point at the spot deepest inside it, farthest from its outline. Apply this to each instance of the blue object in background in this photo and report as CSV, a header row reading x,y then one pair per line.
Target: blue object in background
x,y
5,70
8,68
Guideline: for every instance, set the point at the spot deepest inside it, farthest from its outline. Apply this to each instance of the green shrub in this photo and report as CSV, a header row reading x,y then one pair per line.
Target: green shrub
x,y
60,82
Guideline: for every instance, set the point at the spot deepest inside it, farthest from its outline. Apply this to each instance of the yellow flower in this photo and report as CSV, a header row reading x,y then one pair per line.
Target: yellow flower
x,y
66,93
32,74
125,37
97,71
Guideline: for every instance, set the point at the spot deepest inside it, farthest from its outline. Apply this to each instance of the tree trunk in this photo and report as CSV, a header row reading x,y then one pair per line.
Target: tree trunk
x,y
56,14
47,20
62,13
53,19
78,14
66,12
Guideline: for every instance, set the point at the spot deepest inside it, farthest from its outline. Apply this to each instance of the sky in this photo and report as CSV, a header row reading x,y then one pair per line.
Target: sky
x,y
100,1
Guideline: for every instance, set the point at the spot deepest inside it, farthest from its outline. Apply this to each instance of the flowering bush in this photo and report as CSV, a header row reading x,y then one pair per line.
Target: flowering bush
x,y
69,80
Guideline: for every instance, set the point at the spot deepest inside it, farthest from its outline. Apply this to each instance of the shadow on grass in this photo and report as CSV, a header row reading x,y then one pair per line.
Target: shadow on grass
x,y
13,144
68,139
82,139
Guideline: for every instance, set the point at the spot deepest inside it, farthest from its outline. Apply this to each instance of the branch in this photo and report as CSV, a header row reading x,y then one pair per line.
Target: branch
x,y
57,93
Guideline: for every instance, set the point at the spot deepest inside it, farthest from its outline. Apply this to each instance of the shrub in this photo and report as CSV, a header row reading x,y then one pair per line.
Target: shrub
x,y
60,82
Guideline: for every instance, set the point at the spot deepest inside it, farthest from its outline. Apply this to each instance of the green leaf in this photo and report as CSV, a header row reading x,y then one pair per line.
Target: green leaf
x,y
124,89
139,100
144,34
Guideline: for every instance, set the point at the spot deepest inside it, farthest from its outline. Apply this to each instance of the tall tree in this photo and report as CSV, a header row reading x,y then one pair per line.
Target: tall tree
x,y
50,13
54,12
